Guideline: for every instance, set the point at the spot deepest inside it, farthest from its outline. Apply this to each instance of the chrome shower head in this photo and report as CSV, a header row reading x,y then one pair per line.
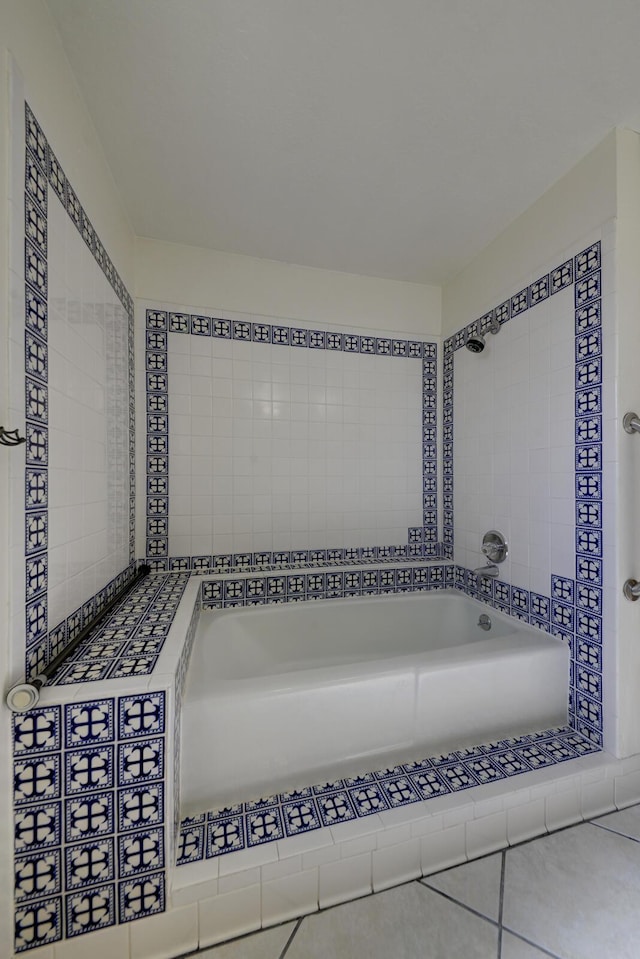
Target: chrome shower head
x,y
475,342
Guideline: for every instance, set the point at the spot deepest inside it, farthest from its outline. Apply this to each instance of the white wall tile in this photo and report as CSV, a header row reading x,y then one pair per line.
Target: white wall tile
x,y
289,897
162,937
344,880
230,915
396,864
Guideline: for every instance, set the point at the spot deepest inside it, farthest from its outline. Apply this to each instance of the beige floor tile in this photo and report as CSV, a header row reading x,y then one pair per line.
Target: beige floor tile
x,y
261,945
514,948
475,884
576,893
626,822
408,922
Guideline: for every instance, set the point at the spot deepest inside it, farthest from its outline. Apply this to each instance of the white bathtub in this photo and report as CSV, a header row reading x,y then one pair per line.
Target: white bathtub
x,y
280,697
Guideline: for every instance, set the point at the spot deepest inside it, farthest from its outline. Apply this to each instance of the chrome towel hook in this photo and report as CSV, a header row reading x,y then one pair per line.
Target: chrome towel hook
x,y
10,437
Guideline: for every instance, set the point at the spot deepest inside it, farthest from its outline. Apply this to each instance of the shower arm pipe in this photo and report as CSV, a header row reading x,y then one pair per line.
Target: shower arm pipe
x,y
24,695
631,423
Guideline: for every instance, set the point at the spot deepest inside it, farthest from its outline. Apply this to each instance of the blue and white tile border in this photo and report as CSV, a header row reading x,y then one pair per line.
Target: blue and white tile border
x,y
273,818
421,541
573,609
43,171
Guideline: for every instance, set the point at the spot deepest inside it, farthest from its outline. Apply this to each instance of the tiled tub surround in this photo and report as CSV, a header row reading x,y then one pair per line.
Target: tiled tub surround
x,y
94,785
76,349
527,445
295,852
269,443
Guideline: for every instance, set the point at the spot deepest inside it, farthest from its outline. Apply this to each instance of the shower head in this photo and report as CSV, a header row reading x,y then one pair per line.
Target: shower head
x,y
475,342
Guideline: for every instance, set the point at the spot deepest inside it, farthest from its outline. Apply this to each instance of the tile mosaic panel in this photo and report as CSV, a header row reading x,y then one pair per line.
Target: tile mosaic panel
x,y
573,609
89,816
222,831
129,640
42,173
421,540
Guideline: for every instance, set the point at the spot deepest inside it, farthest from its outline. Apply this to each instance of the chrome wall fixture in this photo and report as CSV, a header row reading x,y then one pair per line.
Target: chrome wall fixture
x,y
495,548
475,342
10,437
631,588
631,423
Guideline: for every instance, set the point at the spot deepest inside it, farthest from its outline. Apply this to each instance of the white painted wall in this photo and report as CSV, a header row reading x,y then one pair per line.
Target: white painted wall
x,y
584,198
28,36
208,279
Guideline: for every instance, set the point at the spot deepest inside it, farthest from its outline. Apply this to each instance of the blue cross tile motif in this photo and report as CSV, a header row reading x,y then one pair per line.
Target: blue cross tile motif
x,y
264,826
141,715
89,863
457,777
140,760
91,722
90,909
38,924
224,835
335,807
399,791
36,779
37,826
141,896
428,784
88,769
38,874
37,730
141,806
368,799
90,816
141,851
300,816
190,844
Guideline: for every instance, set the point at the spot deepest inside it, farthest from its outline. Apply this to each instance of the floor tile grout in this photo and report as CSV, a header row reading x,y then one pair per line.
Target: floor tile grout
x,y
530,942
503,866
291,937
457,902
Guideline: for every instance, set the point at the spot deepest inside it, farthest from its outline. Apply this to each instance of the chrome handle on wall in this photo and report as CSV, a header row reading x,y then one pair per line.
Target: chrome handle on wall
x,y
631,590
631,423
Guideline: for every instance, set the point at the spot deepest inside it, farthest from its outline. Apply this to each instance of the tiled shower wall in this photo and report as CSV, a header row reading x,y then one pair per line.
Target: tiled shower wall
x,y
269,443
526,423
72,372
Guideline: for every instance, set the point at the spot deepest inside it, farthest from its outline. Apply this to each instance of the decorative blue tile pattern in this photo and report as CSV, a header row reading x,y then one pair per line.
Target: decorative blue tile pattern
x,y
247,824
573,608
120,644
421,541
42,170
220,593
89,816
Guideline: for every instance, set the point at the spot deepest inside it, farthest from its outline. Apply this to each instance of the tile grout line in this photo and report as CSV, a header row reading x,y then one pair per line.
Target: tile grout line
x,y
457,902
534,945
291,938
503,867
622,835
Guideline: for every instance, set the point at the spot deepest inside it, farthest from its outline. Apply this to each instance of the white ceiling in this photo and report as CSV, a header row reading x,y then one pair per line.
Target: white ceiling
x,y
393,138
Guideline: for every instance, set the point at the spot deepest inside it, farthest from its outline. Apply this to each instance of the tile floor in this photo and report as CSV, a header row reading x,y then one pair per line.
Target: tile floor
x,y
574,894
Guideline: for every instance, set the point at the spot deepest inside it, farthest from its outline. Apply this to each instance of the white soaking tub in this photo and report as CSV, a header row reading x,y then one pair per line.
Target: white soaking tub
x,y
280,697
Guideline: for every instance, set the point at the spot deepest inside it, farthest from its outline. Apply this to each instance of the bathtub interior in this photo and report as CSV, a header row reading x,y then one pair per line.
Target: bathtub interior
x,y
267,727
